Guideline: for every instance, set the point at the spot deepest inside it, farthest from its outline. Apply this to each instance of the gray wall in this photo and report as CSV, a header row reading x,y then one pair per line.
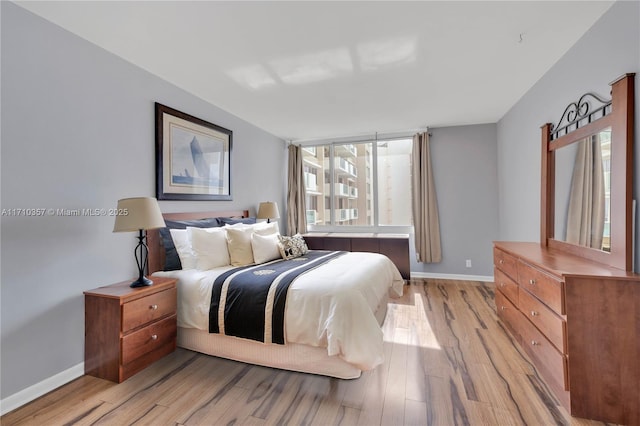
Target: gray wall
x,y
464,167
78,132
609,49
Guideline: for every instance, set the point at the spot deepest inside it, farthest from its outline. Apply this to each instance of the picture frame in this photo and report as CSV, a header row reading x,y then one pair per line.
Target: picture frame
x,y
193,157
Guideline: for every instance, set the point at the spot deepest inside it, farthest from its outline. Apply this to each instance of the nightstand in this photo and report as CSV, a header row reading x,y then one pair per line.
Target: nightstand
x,y
127,329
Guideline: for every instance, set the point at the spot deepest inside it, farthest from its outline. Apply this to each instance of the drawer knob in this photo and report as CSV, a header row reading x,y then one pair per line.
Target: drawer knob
x,y
503,308
153,307
501,261
532,281
534,313
534,343
154,337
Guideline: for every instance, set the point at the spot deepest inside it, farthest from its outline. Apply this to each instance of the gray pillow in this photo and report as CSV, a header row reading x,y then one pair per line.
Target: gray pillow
x,y
233,220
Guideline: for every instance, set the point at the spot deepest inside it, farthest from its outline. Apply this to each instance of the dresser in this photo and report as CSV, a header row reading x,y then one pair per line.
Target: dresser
x,y
394,246
127,329
579,321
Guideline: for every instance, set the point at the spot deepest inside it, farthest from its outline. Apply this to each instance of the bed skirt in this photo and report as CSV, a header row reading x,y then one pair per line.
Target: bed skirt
x,y
292,356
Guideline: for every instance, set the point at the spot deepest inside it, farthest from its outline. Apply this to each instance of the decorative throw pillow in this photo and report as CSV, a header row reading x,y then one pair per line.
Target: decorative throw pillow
x,y
265,247
291,247
209,247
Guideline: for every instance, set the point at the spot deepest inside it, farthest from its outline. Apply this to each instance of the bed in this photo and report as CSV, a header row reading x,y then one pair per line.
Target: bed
x,y
331,318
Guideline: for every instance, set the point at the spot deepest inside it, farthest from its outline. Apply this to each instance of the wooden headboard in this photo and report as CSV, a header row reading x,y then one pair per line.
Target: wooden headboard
x,y
156,250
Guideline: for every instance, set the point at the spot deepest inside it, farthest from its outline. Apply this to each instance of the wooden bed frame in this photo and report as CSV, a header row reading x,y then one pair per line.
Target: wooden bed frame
x,y
154,242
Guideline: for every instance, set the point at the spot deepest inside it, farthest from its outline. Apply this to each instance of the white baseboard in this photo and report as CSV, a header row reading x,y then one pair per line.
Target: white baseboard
x,y
452,276
27,395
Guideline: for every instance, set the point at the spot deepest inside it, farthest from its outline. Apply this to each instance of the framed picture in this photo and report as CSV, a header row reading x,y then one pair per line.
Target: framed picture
x,y
193,157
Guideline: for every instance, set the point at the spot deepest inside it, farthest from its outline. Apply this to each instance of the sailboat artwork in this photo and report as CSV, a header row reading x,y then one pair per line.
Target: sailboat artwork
x,y
206,168
193,159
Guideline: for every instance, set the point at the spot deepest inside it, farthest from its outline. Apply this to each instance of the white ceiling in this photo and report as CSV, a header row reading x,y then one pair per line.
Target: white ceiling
x,y
307,70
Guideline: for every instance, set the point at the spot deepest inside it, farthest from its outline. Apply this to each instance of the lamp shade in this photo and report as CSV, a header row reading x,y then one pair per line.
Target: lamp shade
x,y
268,210
139,213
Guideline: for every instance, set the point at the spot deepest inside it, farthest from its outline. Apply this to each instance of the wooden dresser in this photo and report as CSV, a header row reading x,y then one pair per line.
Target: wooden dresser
x,y
394,246
580,323
127,329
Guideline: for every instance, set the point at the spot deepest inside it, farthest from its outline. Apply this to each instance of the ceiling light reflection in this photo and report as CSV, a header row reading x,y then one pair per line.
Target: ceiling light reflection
x,y
254,77
385,53
327,64
313,67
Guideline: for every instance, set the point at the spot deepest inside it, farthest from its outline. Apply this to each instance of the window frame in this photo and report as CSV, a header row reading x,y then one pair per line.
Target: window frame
x,y
376,227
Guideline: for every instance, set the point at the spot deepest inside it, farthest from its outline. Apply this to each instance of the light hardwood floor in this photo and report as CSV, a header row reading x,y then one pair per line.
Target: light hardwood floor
x,y
448,361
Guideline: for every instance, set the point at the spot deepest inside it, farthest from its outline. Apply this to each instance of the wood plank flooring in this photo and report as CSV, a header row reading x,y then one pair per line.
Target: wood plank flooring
x,y
448,361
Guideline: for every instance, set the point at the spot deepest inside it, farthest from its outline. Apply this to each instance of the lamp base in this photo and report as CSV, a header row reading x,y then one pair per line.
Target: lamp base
x,y
141,282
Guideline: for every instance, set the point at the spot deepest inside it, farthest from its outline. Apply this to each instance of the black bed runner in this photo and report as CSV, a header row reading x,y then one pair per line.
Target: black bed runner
x,y
247,298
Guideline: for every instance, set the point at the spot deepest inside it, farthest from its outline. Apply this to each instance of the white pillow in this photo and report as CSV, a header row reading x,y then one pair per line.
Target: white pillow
x,y
237,225
182,241
209,247
265,247
239,245
264,228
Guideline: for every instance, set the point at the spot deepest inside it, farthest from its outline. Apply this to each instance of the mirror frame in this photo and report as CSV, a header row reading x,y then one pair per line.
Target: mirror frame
x,y
619,116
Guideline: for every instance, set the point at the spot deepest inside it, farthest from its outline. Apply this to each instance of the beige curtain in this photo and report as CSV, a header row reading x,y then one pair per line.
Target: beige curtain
x,y
296,202
585,217
424,203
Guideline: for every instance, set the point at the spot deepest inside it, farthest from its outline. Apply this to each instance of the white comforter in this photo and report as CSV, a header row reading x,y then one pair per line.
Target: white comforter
x,y
331,306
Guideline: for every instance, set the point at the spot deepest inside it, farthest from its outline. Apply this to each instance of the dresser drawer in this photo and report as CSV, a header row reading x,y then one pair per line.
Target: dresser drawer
x,y
147,309
550,324
148,339
506,285
508,314
550,361
543,286
506,263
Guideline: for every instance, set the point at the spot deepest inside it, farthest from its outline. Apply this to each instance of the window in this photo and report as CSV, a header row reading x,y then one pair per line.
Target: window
x,y
394,182
367,183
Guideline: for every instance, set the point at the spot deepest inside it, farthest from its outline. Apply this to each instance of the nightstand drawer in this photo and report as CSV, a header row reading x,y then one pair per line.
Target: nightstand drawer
x,y
120,322
147,309
148,339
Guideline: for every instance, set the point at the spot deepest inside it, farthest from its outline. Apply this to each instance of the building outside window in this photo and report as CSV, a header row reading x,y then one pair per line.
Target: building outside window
x,y
363,184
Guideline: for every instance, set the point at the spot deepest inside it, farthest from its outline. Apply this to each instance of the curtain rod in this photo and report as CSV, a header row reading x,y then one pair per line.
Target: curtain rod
x,y
407,134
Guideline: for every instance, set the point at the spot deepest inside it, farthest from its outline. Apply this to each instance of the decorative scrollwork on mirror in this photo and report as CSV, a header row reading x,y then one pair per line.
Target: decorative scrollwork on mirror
x,y
576,113
587,177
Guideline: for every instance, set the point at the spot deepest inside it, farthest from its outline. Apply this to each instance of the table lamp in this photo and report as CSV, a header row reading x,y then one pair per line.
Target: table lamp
x,y
139,214
268,210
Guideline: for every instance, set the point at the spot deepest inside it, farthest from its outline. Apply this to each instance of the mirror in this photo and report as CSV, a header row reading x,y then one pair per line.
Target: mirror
x,y
583,192
587,173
